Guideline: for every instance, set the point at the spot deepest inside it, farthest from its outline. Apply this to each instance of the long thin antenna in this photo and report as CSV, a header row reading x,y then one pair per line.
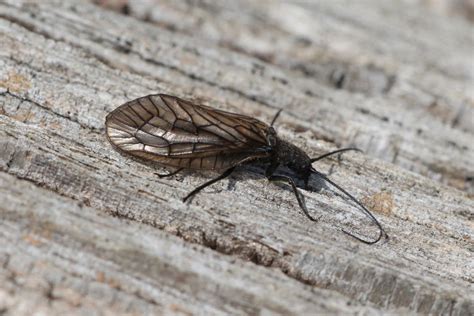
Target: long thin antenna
x,y
335,152
366,211
276,116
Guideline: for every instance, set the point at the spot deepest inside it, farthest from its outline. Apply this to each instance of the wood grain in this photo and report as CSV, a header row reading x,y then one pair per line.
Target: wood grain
x,y
85,230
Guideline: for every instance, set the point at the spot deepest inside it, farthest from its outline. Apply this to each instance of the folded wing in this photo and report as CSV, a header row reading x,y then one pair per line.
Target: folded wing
x,y
177,133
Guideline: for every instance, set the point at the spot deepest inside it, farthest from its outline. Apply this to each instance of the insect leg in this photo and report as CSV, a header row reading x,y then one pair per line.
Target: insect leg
x,y
295,190
208,183
165,175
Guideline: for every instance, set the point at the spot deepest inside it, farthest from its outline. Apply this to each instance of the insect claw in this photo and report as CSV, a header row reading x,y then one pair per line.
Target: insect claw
x,y
188,197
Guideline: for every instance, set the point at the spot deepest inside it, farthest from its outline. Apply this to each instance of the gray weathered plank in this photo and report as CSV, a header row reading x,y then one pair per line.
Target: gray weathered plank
x,y
98,232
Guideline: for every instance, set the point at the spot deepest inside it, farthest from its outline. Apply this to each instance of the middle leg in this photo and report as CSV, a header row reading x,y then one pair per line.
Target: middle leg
x,y
277,178
208,183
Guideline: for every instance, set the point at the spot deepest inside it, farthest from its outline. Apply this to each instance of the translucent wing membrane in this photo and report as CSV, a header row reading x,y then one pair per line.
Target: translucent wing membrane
x,y
177,133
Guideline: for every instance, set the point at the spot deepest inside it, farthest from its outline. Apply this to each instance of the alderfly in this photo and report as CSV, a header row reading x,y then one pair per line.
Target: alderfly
x,y
179,134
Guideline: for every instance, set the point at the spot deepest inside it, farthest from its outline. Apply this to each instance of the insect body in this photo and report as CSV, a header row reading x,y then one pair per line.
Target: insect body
x,y
183,135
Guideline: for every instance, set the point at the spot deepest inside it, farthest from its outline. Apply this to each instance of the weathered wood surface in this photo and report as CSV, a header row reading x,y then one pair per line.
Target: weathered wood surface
x,y
85,230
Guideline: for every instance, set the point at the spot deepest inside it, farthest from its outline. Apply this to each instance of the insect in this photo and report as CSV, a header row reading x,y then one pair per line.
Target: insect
x,y
177,133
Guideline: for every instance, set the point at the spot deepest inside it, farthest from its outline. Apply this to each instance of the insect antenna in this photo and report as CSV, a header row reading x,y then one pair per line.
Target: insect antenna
x,y
335,152
275,117
366,211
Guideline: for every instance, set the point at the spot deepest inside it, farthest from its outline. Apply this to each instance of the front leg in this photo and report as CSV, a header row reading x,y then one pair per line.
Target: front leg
x,y
276,178
298,195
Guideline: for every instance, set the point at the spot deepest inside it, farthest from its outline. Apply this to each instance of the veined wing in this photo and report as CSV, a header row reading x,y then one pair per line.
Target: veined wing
x,y
178,133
